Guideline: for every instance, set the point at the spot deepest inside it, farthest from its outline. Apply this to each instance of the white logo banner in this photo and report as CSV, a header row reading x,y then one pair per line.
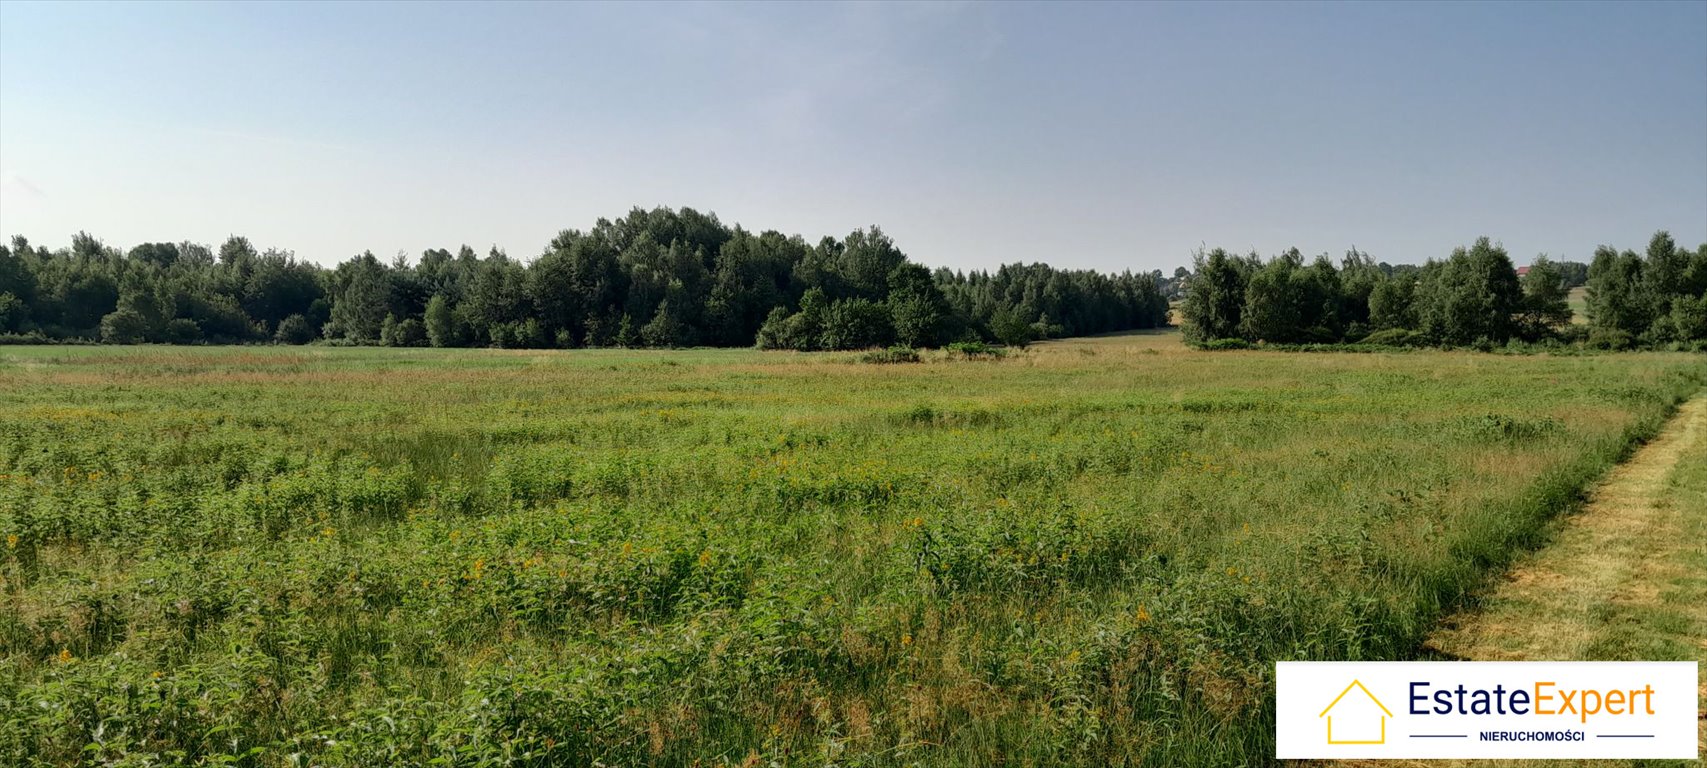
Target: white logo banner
x,y
1486,709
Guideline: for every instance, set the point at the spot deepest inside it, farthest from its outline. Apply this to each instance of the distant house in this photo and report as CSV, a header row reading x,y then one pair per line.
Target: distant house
x,y
1521,271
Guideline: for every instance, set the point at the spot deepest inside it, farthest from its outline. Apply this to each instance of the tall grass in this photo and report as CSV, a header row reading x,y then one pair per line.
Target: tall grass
x,y
1087,553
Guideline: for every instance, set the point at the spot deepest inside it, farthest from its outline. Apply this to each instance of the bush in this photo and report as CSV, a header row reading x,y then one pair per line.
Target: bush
x,y
1395,337
1217,345
528,334
778,330
1610,338
1573,334
856,323
183,331
972,350
409,333
1012,329
294,330
895,354
123,327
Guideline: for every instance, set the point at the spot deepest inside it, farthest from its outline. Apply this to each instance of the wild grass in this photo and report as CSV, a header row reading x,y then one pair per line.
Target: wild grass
x,y
1088,552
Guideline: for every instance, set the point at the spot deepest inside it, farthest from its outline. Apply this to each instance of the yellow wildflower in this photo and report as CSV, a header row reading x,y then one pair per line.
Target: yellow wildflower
x,y
12,541
65,656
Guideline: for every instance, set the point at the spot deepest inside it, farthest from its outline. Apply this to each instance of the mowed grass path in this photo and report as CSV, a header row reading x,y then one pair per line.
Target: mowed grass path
x,y
1090,553
1625,580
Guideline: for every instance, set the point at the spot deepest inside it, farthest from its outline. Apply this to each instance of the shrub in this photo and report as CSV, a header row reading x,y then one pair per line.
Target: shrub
x,y
1217,345
182,331
777,332
856,323
1610,338
294,330
895,354
975,349
528,334
1573,334
1395,337
1012,329
409,333
125,326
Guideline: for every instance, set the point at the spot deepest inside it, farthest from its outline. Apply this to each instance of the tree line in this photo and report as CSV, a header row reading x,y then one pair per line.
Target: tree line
x,y
1474,297
658,278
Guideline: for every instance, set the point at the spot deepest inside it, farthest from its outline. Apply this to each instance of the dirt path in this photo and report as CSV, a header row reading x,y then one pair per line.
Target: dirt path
x,y
1624,579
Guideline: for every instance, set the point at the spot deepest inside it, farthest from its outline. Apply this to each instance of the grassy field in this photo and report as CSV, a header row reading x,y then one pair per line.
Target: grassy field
x,y
1088,553
1577,300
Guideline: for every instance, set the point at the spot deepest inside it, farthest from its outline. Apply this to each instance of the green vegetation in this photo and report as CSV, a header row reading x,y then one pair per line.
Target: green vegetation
x,y
1087,552
659,278
1474,298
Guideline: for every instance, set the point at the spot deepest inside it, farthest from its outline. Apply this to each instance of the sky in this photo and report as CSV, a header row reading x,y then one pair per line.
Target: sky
x,y
1103,136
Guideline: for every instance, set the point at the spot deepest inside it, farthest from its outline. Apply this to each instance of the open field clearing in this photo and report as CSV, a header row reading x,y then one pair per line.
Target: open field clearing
x,y
1089,553
1577,300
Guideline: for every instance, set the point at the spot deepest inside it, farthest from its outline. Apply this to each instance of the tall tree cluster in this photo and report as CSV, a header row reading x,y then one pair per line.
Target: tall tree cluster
x,y
1019,302
1474,296
658,278
1654,297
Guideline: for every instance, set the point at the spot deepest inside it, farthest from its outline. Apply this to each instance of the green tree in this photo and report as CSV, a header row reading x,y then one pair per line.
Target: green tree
x,y
361,300
1544,300
1215,296
1275,301
1391,302
865,261
440,322
856,323
1474,295
1012,328
14,313
1617,301
917,308
665,329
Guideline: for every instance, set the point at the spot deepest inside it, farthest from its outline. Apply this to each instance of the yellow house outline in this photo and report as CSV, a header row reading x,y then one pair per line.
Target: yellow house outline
x,y
1358,684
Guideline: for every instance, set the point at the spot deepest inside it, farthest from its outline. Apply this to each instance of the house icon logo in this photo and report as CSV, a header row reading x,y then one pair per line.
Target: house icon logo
x,y
1363,719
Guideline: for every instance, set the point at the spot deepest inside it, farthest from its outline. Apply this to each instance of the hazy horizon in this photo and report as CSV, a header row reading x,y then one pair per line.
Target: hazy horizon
x,y
1109,137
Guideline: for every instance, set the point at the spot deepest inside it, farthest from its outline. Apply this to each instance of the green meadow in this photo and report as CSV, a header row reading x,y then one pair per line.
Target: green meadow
x,y
1089,553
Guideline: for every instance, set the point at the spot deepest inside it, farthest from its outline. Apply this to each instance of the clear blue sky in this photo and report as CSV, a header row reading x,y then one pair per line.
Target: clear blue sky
x,y
1103,136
